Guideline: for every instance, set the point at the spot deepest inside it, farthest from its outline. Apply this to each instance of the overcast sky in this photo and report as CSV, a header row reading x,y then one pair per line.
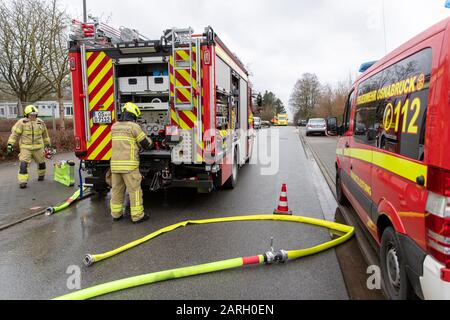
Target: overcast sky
x,y
282,39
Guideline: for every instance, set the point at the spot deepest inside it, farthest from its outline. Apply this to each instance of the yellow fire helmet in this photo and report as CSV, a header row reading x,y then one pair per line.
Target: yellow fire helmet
x,y
29,110
132,108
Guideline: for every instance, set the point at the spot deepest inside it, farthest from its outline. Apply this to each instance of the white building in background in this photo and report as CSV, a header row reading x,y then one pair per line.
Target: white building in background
x,y
8,110
46,109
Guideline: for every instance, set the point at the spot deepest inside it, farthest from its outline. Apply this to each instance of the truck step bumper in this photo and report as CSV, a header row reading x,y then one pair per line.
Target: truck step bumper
x,y
202,186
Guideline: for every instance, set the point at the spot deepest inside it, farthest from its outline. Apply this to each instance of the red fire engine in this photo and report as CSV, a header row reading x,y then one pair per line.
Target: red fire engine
x,y
194,94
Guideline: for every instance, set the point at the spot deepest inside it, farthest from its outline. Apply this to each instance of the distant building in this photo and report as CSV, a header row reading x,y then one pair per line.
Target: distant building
x,y
8,110
46,109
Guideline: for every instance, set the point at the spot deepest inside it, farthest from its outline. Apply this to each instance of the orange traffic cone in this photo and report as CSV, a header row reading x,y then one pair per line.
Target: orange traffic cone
x,y
283,208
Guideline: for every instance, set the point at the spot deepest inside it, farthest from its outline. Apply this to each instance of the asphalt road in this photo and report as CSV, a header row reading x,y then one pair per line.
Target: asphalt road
x,y
17,204
356,255
325,148
35,255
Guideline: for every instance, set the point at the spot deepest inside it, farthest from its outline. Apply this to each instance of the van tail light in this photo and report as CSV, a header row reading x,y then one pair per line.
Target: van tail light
x,y
438,218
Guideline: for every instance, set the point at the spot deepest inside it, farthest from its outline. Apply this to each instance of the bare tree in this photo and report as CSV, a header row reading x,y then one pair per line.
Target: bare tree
x,y
18,75
332,100
52,41
305,96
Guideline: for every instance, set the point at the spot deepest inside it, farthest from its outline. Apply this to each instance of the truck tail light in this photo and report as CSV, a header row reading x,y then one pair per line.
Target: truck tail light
x,y
438,218
207,57
77,143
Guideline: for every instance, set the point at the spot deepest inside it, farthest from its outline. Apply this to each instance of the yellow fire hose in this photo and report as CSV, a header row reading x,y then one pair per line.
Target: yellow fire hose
x,y
271,257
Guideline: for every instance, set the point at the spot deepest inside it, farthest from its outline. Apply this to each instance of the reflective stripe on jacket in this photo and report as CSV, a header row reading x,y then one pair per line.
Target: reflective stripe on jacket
x,y
126,137
32,134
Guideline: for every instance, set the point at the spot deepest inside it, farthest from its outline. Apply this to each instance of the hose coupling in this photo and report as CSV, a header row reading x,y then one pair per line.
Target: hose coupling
x,y
50,211
88,260
269,257
281,256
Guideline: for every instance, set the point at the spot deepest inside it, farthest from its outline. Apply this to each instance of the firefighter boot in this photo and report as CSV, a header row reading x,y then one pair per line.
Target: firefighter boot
x,y
145,218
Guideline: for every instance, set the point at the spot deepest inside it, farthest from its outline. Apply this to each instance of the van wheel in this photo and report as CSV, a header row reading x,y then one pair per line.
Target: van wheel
x,y
341,198
232,181
393,267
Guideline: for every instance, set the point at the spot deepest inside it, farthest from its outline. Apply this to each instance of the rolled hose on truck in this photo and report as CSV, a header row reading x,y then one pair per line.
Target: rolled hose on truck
x,y
271,257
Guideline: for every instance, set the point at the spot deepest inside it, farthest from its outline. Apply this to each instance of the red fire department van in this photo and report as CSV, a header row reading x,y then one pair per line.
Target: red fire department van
x,y
393,163
193,92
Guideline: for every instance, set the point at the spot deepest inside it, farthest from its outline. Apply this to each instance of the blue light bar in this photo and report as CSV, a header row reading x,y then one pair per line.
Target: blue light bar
x,y
365,66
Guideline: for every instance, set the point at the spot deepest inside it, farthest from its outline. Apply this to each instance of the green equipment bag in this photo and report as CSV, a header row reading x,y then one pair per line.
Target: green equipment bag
x,y
65,173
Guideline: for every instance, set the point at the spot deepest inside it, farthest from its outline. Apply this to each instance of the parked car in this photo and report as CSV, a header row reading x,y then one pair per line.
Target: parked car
x,y
393,165
265,124
316,126
302,123
257,123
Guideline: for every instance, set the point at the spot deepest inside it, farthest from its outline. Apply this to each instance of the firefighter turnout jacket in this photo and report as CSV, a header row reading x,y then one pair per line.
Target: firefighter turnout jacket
x,y
33,137
32,134
126,138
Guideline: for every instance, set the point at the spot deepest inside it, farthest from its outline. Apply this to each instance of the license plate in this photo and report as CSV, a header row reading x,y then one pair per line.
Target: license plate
x,y
102,117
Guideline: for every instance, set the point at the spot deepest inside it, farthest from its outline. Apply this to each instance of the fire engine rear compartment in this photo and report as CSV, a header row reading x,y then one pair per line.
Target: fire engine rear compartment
x,y
147,85
145,79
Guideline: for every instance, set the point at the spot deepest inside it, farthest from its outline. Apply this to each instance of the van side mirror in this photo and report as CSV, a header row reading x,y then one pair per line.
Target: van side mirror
x,y
340,131
332,127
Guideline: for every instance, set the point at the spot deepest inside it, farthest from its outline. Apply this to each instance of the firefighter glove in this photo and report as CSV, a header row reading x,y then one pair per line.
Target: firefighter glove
x,y
9,149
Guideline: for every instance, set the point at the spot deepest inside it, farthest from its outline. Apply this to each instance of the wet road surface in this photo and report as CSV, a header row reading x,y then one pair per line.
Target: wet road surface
x,y
35,255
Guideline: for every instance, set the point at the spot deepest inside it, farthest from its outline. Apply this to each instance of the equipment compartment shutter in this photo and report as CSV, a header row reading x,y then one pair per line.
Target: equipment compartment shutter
x,y
223,75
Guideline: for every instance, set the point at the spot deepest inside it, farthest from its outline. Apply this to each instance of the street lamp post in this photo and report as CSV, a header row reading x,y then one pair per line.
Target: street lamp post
x,y
84,12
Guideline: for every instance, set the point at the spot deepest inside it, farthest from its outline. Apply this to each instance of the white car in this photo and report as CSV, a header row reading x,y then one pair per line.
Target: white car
x,y
316,126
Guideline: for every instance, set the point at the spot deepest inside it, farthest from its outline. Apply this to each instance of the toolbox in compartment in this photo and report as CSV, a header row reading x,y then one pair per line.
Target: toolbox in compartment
x,y
133,84
158,83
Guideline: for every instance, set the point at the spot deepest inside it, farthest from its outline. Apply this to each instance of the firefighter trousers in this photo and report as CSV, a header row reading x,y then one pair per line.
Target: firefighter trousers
x,y
25,158
132,183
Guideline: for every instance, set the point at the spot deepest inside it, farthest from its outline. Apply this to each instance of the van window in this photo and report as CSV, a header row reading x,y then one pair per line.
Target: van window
x,y
392,106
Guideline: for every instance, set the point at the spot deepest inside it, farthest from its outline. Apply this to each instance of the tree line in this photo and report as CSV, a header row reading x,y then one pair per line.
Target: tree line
x,y
271,106
310,98
34,52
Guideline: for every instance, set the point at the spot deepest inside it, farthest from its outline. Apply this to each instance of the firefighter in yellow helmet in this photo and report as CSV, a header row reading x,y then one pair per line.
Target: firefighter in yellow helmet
x,y
127,137
32,134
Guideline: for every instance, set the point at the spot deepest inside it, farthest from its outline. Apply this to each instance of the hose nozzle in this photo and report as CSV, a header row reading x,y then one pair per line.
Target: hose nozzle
x,y
50,211
88,260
